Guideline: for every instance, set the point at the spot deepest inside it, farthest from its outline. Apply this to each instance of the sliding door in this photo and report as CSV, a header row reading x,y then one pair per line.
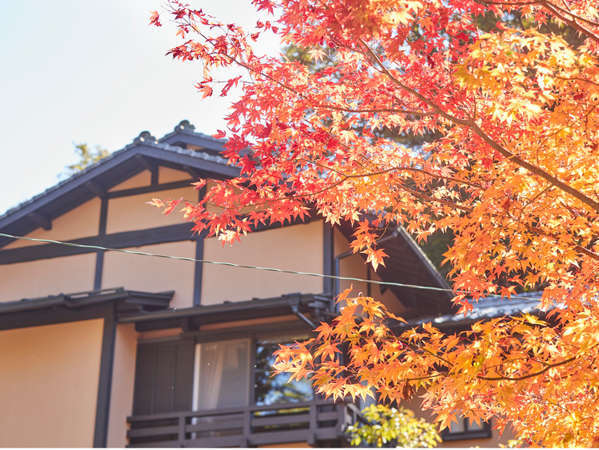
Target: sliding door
x,y
163,377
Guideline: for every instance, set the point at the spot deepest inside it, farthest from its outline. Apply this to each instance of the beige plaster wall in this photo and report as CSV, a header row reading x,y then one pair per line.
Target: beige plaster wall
x,y
80,222
123,380
134,213
152,274
297,247
168,175
49,384
139,180
45,277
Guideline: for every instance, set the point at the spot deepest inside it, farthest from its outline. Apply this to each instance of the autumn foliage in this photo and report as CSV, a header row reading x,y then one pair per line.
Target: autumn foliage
x,y
512,170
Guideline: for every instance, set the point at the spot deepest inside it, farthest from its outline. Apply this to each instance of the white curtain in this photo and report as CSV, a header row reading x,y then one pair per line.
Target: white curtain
x,y
224,374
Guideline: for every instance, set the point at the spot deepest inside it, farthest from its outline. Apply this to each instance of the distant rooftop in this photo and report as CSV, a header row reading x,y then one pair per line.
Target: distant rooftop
x,y
489,308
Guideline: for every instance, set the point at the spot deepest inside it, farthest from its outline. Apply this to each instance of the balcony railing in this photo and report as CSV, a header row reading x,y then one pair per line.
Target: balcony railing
x,y
317,421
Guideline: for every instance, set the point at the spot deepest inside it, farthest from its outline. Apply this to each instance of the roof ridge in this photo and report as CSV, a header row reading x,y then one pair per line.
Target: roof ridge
x,y
186,127
144,138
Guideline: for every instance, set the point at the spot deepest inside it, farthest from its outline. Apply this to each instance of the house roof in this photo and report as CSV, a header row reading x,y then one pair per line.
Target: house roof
x,y
487,308
406,263
184,134
115,168
185,149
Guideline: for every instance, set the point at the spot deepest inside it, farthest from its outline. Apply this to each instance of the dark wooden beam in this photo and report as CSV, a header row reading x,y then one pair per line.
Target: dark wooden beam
x,y
265,329
96,188
194,317
144,162
328,262
105,379
198,273
103,217
195,174
41,220
198,269
99,270
137,238
100,254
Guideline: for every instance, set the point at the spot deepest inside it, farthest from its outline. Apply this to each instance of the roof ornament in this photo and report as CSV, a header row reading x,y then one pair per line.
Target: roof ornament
x,y
185,125
145,137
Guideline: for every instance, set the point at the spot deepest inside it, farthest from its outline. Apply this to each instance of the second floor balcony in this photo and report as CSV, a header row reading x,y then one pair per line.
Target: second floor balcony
x,y
207,392
317,422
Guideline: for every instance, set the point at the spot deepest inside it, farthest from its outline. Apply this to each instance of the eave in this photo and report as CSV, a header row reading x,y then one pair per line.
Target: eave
x,y
406,263
79,306
97,179
194,317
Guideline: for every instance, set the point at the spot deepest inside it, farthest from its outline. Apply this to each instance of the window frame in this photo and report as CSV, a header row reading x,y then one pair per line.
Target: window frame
x,y
197,365
275,338
483,433
254,338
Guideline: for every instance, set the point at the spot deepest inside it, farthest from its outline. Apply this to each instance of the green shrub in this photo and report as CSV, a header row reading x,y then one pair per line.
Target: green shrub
x,y
390,427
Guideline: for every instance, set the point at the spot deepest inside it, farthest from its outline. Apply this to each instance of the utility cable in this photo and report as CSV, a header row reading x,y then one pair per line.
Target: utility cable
x,y
225,263
230,264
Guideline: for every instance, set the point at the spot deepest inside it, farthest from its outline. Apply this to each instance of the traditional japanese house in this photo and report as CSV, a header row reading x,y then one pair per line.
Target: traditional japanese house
x,y
104,348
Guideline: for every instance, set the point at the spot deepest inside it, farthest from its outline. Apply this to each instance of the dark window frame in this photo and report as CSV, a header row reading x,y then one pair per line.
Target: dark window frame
x,y
255,342
483,433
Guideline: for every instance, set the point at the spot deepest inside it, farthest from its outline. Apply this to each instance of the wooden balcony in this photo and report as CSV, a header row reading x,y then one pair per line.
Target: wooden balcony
x,y
315,422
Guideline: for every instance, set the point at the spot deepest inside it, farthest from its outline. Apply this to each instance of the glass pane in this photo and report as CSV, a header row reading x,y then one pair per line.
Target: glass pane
x,y
473,426
269,389
224,374
457,426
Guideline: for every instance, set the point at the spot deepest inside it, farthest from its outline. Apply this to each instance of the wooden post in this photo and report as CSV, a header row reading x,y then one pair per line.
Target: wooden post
x,y
181,436
313,422
247,426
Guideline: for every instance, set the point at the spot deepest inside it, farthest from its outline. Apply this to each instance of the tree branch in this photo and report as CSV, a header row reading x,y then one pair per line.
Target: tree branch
x,y
530,375
572,22
485,137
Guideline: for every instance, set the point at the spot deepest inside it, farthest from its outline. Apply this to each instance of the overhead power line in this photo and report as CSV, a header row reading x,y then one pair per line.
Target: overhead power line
x,y
226,263
234,265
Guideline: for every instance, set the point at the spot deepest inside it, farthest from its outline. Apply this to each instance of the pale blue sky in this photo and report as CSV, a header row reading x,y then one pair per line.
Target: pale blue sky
x,y
95,72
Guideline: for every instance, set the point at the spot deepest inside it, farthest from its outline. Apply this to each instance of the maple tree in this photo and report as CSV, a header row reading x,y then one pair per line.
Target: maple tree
x,y
513,172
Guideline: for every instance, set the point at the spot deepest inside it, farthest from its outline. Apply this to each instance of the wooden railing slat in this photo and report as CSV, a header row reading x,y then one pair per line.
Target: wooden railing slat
x,y
152,431
214,426
241,425
283,419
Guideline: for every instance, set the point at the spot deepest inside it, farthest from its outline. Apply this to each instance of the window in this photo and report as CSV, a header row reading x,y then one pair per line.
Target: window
x,y
223,374
463,428
269,389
